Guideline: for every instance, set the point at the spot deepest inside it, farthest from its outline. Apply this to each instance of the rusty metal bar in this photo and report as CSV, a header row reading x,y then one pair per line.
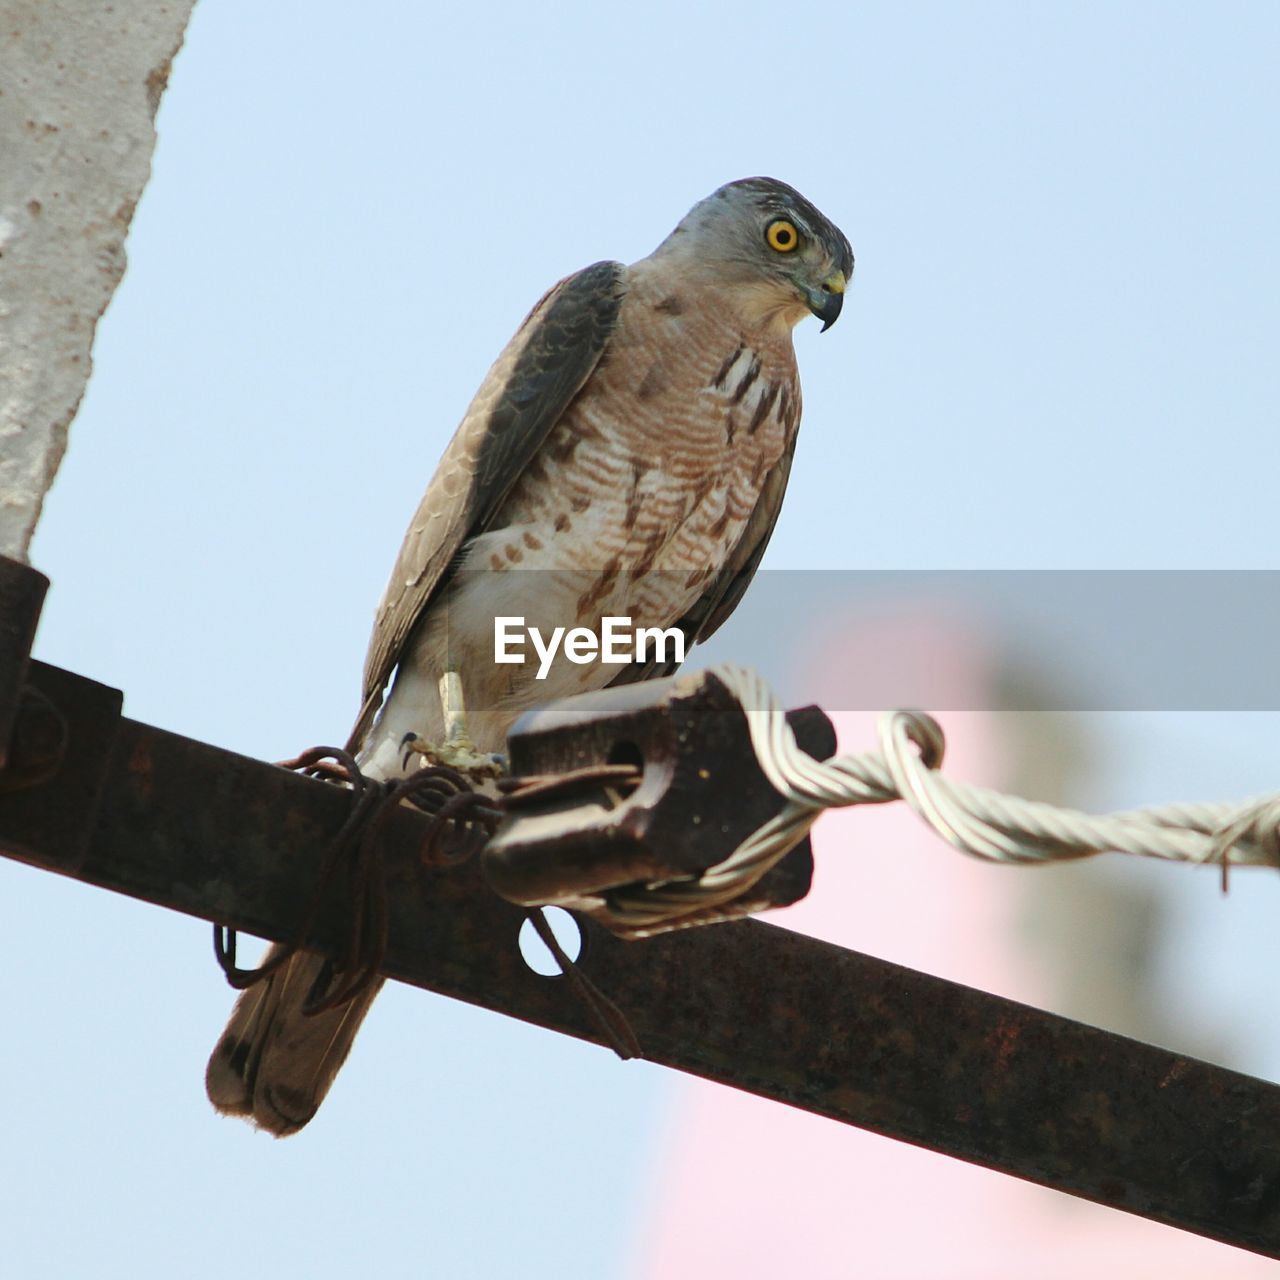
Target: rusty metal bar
x,y
862,1041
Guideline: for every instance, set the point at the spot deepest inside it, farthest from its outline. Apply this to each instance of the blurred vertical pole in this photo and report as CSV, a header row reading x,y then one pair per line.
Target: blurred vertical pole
x,y
80,82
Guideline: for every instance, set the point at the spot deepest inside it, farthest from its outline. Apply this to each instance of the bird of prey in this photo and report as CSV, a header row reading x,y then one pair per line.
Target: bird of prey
x,y
625,456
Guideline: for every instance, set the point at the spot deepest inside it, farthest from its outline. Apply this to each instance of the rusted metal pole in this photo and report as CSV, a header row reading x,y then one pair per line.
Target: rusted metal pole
x,y
201,830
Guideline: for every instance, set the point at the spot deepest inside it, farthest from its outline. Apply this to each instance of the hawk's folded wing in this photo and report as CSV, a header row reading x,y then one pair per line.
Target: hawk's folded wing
x,y
521,399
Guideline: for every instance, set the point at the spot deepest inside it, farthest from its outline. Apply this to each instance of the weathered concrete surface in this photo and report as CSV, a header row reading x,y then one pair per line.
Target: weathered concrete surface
x,y
80,81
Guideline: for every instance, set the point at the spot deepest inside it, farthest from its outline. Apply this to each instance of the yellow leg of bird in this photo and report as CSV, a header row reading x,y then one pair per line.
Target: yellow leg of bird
x,y
457,751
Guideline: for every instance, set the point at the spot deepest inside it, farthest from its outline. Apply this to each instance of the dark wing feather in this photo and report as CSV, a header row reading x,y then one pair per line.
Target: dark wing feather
x,y
725,593
521,399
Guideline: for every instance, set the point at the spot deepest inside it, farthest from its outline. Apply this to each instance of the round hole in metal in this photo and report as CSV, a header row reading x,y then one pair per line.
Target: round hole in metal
x,y
536,953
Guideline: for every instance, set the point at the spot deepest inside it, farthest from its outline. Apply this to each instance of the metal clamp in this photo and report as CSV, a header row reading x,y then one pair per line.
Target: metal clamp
x,y
642,784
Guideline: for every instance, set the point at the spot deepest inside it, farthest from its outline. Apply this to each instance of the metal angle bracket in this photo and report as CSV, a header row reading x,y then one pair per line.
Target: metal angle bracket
x,y
22,592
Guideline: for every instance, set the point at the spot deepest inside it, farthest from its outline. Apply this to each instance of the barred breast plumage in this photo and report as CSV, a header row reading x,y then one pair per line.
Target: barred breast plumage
x,y
633,502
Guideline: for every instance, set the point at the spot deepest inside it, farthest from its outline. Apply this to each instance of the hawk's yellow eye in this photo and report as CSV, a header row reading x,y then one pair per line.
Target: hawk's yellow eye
x,y
782,235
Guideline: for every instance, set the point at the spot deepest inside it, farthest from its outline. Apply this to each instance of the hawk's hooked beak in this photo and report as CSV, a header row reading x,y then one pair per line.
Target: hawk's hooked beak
x,y
825,301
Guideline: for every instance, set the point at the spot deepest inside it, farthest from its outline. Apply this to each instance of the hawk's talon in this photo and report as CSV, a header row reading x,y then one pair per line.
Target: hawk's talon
x,y
457,753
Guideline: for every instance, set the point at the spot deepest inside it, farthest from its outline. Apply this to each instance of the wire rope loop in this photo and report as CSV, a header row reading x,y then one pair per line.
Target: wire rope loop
x,y
462,819
977,821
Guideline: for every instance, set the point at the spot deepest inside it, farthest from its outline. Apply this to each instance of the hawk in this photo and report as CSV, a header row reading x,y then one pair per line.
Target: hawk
x,y
631,444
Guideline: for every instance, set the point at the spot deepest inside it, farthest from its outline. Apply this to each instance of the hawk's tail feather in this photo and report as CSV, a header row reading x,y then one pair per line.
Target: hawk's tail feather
x,y
274,1063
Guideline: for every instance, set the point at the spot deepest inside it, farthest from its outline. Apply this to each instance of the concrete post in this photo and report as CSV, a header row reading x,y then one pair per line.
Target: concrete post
x,y
80,82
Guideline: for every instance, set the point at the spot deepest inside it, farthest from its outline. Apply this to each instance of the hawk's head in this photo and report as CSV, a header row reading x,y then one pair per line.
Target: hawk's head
x,y
766,241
